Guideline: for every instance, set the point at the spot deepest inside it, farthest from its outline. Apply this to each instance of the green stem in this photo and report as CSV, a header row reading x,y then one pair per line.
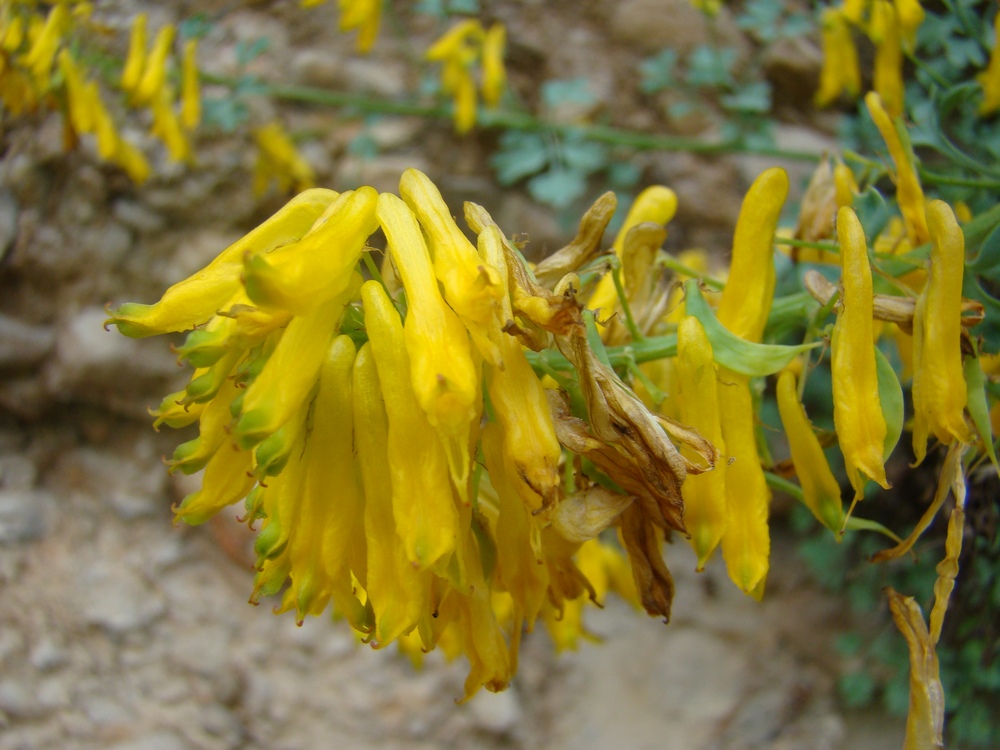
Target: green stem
x,y
616,277
501,118
830,247
781,484
668,261
933,178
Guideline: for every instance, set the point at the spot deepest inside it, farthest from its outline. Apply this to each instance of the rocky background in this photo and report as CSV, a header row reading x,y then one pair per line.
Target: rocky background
x,y
118,630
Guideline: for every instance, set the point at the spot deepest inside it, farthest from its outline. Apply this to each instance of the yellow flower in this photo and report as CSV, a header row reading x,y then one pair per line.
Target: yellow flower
x,y
459,51
820,489
42,53
989,79
939,391
279,160
425,513
888,75
167,126
363,15
840,71
399,594
154,76
443,376
704,494
135,62
910,15
857,410
190,87
195,300
909,194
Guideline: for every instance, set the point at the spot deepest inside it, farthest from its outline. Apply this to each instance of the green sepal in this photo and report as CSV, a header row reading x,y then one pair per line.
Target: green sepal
x,y
203,348
731,351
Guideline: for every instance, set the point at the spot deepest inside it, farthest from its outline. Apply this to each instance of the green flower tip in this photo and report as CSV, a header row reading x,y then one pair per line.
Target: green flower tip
x,y
128,318
253,428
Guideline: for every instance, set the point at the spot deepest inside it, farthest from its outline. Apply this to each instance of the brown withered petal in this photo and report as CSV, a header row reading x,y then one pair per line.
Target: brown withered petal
x,y
693,439
892,309
819,208
584,246
583,515
623,441
557,313
653,581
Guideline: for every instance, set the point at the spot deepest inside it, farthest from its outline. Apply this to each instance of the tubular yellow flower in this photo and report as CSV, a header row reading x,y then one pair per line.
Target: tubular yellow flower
x,y
80,114
326,538
939,391
154,76
423,508
746,546
989,79
190,87
363,15
910,15
399,594
857,410
656,204
302,275
42,54
194,300
518,399
494,74
135,63
746,300
819,486
840,71
472,288
704,494
167,127
278,159
909,194
12,34
888,75
289,374
442,374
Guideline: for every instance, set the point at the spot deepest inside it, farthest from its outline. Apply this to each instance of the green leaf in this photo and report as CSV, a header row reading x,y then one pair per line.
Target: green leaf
x,y
989,329
520,155
558,187
247,52
572,91
890,394
195,27
710,67
987,260
872,211
733,352
856,689
975,383
658,72
582,155
754,97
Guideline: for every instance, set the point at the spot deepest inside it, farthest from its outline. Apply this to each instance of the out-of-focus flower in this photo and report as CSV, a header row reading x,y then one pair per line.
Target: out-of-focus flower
x,y
190,87
135,62
710,7
153,80
167,126
42,53
989,79
840,73
461,50
909,194
278,160
888,76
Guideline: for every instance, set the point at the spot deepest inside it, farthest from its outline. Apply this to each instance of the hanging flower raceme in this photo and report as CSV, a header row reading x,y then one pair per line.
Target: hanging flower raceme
x,y
471,60
278,160
349,420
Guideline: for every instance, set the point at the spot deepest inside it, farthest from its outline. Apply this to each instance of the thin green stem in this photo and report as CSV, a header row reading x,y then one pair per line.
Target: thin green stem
x,y
657,394
616,277
933,178
514,120
830,247
669,261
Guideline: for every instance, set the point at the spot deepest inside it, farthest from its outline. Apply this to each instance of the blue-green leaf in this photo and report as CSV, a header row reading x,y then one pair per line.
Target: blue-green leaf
x,y
733,352
890,394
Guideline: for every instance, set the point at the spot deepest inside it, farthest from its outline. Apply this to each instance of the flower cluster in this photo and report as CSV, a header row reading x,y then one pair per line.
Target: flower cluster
x,y
42,62
464,444
363,15
464,50
891,25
